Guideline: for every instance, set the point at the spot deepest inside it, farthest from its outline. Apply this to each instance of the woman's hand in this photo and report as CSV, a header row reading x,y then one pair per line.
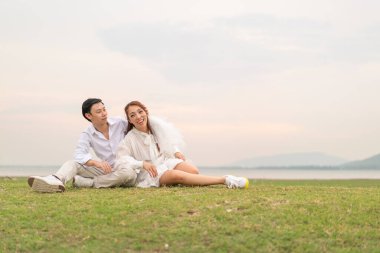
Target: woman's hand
x,y
179,155
151,168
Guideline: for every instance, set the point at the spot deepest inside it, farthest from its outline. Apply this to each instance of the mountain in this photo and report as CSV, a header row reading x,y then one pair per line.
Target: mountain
x,y
292,159
372,162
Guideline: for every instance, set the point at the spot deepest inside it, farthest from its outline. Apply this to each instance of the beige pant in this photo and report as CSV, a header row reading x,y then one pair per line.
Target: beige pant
x,y
120,177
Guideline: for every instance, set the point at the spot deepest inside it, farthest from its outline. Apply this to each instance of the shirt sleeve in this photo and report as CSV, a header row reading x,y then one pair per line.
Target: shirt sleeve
x,y
125,123
125,159
82,151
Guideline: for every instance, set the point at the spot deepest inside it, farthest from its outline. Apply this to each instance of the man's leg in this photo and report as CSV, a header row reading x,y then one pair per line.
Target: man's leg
x,y
85,176
56,182
120,177
67,171
89,172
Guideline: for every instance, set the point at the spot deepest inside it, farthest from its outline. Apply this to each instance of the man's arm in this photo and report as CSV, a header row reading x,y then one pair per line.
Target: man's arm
x,y
82,150
100,164
83,156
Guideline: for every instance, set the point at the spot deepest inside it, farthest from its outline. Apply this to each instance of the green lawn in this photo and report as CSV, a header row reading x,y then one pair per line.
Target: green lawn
x,y
270,216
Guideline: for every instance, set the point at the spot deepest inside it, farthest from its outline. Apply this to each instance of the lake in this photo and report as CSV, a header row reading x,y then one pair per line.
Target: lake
x,y
24,171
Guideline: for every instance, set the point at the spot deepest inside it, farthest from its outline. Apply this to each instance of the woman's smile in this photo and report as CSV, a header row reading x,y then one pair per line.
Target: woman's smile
x,y
140,121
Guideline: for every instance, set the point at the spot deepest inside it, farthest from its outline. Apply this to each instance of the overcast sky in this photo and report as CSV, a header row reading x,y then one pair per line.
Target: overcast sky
x,y
240,79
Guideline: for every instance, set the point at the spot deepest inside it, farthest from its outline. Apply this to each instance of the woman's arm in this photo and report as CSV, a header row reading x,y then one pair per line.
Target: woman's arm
x,y
179,155
125,158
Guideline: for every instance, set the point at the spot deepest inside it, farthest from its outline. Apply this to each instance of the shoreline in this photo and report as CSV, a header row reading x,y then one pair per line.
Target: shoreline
x,y
257,179
253,174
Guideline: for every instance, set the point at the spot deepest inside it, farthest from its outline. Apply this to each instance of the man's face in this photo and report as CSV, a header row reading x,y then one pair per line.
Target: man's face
x,y
98,114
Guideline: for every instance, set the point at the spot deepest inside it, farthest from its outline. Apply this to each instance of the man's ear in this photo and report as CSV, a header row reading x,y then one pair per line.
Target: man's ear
x,y
88,116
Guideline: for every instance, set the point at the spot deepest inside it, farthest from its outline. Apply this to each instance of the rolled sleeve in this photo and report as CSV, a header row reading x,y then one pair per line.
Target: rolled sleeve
x,y
82,151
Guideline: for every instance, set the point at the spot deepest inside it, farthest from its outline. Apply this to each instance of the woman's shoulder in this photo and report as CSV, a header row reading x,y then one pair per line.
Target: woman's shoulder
x,y
129,134
127,140
133,133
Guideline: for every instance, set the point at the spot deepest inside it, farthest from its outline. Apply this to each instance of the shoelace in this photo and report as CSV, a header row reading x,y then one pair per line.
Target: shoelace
x,y
233,183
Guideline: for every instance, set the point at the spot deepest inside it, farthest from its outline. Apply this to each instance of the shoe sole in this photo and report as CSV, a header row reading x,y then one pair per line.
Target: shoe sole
x,y
246,186
39,185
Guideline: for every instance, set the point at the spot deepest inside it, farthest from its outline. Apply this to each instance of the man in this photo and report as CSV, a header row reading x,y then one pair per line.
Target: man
x,y
103,136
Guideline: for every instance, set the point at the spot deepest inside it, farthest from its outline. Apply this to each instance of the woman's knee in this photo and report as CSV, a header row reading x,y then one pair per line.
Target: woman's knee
x,y
194,170
186,167
174,177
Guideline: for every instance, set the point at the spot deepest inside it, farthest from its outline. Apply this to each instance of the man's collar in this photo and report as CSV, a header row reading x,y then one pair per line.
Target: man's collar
x,y
110,122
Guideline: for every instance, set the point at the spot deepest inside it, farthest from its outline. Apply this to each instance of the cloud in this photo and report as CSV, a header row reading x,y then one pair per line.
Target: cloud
x,y
222,49
358,47
240,47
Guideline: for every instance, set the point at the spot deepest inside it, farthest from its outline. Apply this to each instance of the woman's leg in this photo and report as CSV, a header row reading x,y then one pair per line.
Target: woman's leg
x,y
187,167
171,177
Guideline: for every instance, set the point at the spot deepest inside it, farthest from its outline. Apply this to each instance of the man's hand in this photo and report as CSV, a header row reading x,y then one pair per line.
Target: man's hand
x,y
105,166
151,168
179,155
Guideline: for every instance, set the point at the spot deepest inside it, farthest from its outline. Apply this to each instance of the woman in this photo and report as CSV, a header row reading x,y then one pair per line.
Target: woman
x,y
151,148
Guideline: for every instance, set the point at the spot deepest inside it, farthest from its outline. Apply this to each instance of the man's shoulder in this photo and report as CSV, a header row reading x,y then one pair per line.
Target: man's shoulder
x,y
89,130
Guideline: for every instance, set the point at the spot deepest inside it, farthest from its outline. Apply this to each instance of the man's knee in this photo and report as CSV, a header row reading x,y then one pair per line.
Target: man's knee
x,y
72,165
67,170
127,176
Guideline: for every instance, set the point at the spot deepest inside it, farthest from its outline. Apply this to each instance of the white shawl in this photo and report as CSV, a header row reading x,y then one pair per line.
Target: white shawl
x,y
168,137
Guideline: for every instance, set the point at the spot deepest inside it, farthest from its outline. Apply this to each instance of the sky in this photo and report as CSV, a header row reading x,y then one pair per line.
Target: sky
x,y
240,79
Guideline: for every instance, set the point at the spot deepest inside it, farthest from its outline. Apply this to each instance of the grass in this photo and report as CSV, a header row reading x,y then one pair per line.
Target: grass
x,y
270,216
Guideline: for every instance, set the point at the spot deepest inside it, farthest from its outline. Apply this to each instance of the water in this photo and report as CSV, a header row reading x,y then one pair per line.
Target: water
x,y
294,173
24,171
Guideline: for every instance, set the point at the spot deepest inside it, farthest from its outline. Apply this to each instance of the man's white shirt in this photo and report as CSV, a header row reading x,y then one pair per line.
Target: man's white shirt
x,y
103,148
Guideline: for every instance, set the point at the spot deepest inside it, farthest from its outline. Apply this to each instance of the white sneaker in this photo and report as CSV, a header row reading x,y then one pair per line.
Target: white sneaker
x,y
236,182
82,182
46,184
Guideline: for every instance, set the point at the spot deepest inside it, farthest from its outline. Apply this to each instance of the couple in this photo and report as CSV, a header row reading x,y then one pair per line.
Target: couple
x,y
143,152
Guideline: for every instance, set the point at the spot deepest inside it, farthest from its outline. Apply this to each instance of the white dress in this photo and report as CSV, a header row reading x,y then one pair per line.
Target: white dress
x,y
138,146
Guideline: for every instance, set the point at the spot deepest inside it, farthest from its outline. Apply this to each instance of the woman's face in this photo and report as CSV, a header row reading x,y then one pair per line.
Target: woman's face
x,y
137,117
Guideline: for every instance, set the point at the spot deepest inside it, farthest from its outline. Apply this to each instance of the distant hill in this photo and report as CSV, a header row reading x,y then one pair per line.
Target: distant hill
x,y
372,162
292,159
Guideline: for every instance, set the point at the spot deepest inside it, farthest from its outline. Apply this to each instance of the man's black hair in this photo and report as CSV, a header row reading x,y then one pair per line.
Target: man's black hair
x,y
86,106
